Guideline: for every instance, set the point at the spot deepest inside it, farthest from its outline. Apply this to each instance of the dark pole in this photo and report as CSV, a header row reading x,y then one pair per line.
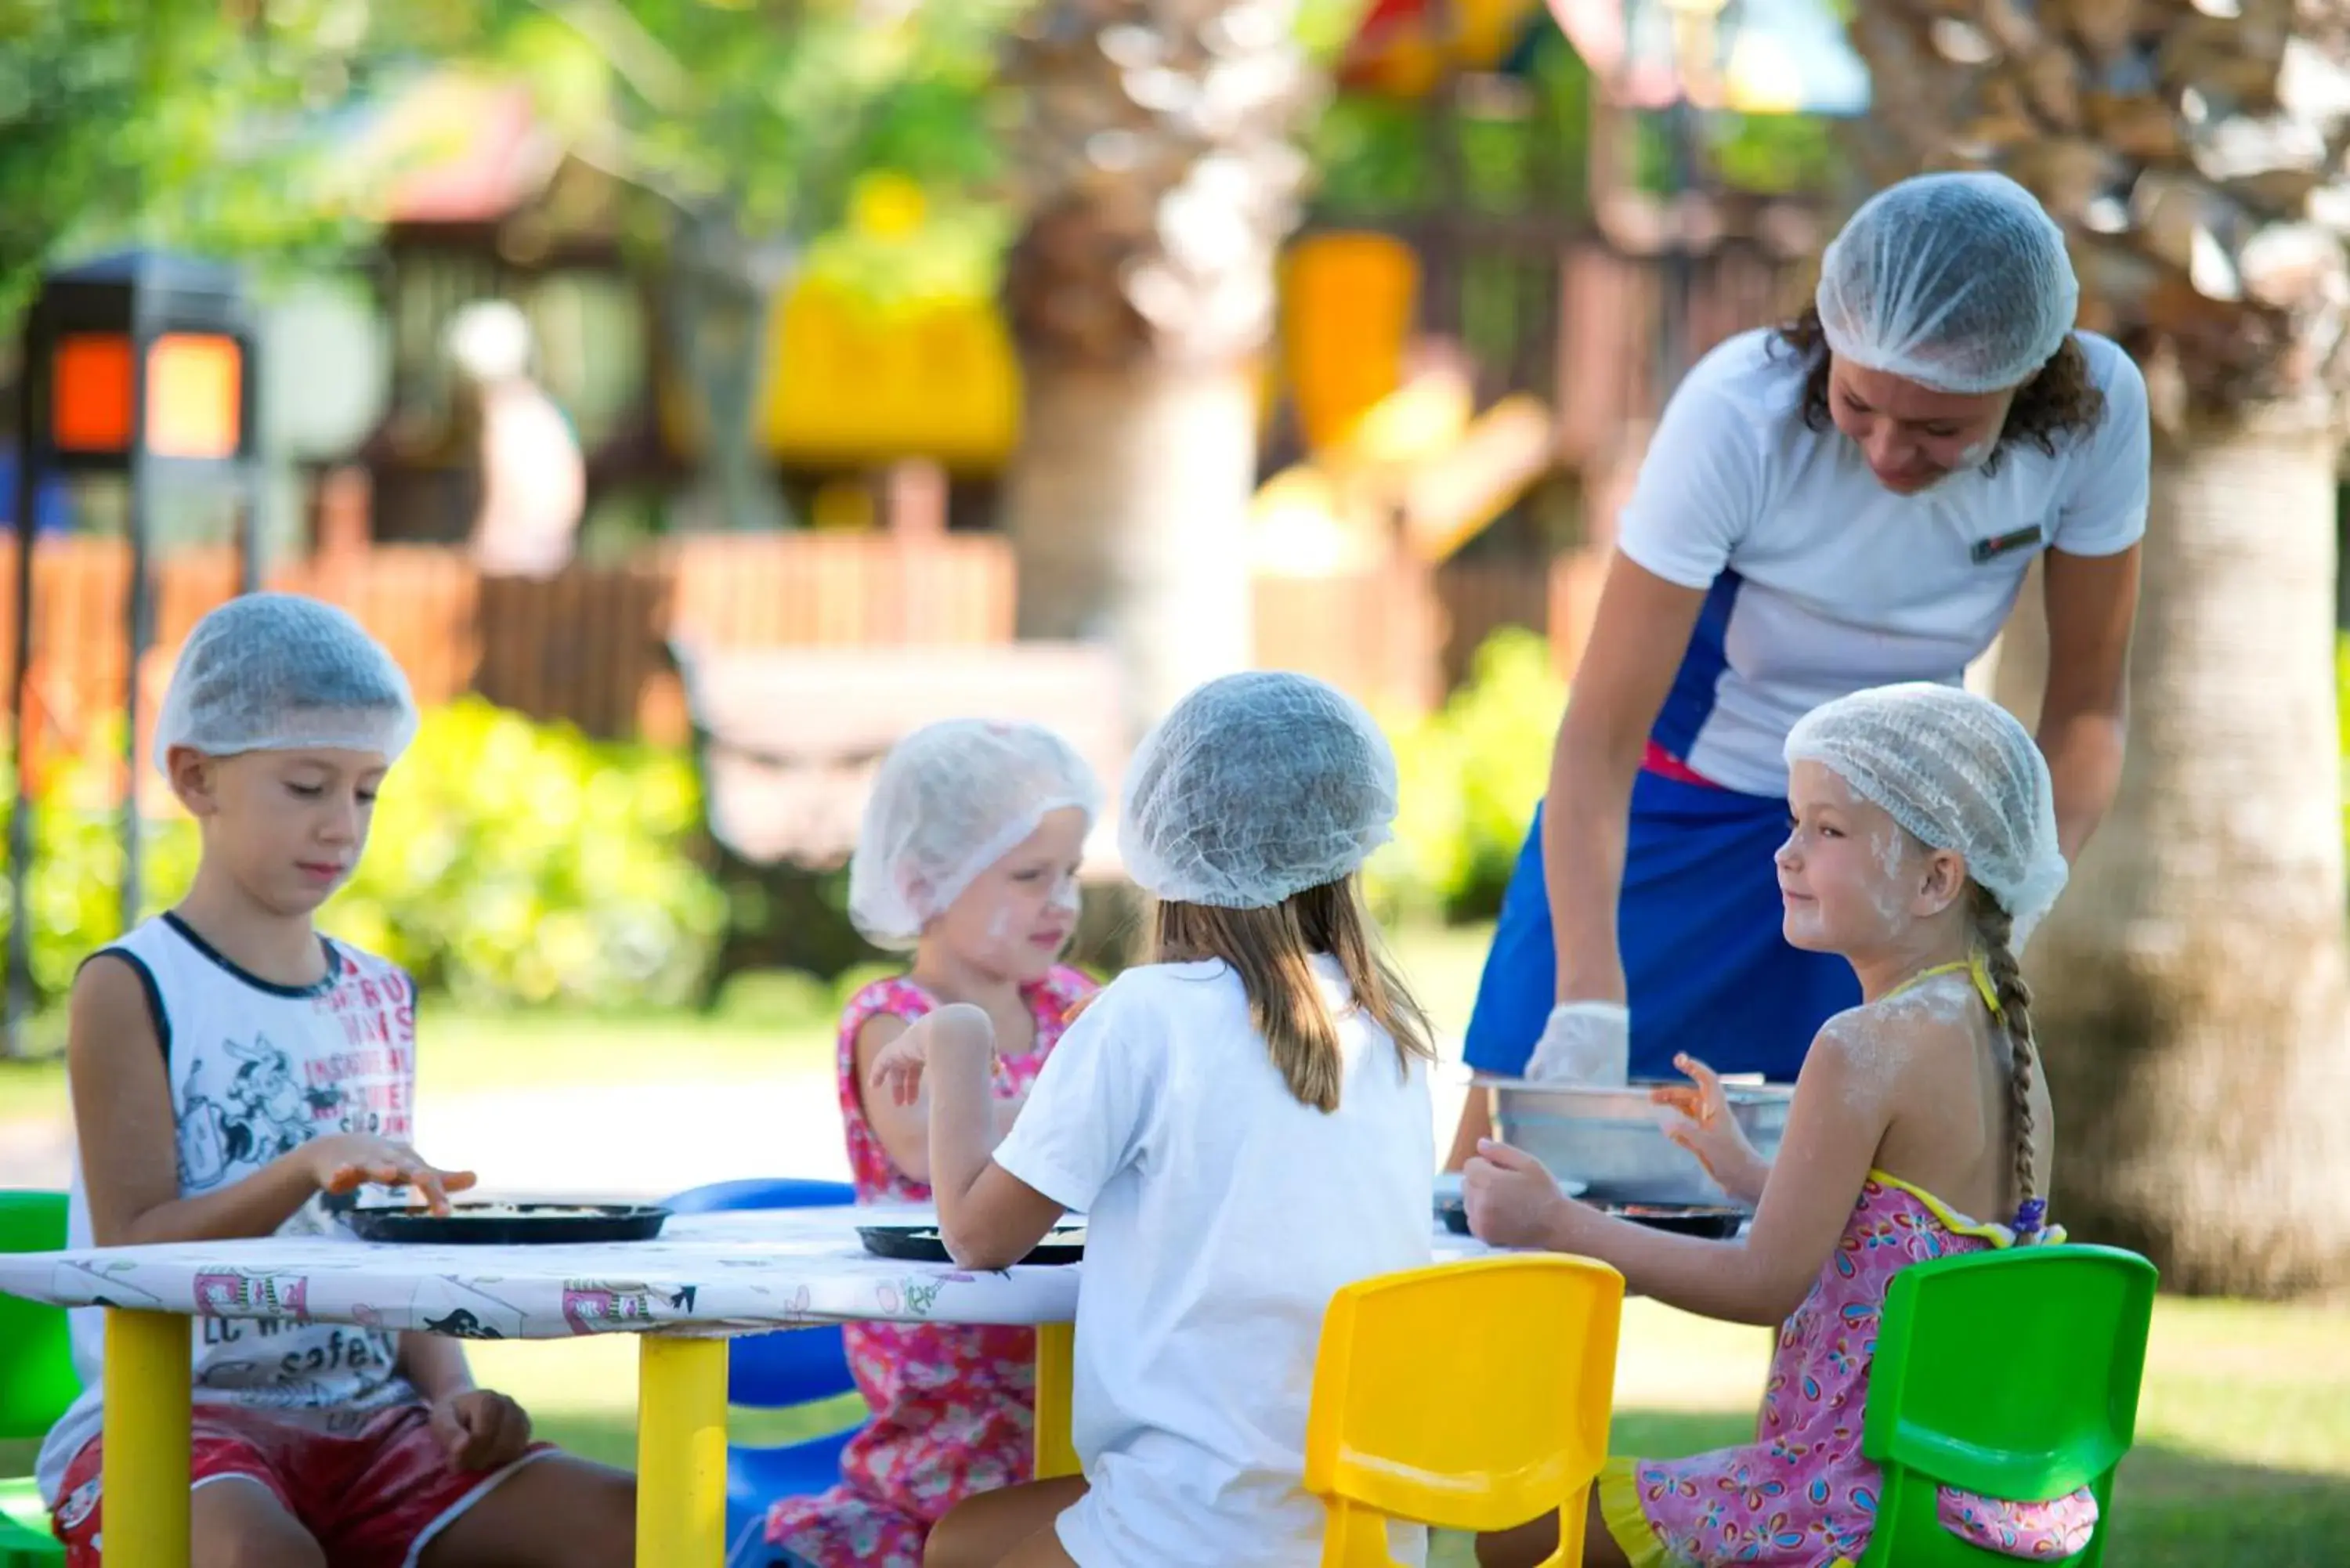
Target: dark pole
x,y
1445,263
137,611
1680,264
248,537
248,534
20,816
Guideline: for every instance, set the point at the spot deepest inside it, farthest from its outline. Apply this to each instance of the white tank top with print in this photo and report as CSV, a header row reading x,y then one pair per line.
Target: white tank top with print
x,y
258,1070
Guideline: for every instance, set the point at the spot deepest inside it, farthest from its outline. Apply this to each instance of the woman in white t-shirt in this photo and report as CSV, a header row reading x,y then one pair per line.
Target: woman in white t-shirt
x,y
1849,501
1244,1123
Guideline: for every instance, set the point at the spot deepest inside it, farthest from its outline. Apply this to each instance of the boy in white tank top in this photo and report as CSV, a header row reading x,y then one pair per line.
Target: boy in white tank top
x,y
229,1066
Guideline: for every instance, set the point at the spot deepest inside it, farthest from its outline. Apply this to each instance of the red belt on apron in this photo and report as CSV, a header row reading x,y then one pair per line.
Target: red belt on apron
x,y
1664,764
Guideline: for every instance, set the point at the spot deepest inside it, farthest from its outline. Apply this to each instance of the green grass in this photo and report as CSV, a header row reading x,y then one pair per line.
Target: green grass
x,y
461,1052
766,1025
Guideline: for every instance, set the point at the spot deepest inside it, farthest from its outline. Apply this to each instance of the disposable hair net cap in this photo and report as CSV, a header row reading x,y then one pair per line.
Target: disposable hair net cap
x,y
1959,773
279,672
1254,788
951,800
1958,281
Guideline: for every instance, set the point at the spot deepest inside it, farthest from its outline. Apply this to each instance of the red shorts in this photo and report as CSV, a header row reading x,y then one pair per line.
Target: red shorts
x,y
371,1500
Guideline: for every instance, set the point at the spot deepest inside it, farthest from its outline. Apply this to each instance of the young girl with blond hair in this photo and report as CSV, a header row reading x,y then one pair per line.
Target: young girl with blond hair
x,y
967,861
1245,1124
1923,849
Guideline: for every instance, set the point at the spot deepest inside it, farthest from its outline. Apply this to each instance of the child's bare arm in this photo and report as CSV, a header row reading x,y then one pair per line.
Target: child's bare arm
x,y
905,1129
989,1218
1833,1127
129,1139
435,1366
1702,1122
479,1428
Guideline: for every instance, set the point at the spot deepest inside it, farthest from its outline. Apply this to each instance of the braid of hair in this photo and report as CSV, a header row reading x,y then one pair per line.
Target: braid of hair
x,y
1995,931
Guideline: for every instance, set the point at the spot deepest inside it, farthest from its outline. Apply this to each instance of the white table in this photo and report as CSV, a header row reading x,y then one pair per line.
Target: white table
x,y
706,1278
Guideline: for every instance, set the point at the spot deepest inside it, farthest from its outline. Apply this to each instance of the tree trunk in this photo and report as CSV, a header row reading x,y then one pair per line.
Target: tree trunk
x,y
2194,976
1127,503
2191,988
712,322
1152,162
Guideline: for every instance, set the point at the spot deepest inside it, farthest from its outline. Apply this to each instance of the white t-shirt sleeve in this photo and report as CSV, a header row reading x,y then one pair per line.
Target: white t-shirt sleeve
x,y
1700,486
2104,512
1087,1111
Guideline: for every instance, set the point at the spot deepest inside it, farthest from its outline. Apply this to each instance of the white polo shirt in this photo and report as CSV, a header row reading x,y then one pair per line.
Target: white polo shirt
x,y
1821,581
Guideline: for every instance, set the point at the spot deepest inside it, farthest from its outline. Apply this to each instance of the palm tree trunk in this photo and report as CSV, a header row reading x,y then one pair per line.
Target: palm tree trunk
x,y
2192,987
1127,503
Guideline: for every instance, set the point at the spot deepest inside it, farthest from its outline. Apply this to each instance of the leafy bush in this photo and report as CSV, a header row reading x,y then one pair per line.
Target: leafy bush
x,y
509,863
1471,773
77,872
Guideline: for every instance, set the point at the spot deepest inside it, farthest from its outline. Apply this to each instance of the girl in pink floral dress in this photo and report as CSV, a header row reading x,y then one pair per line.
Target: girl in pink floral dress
x,y
969,857
1923,849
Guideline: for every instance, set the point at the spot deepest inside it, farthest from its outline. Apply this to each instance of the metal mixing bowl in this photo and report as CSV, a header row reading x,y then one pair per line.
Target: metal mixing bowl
x,y
1613,1140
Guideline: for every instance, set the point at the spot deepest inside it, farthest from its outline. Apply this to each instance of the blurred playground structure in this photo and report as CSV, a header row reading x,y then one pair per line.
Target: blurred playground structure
x,y
1457,396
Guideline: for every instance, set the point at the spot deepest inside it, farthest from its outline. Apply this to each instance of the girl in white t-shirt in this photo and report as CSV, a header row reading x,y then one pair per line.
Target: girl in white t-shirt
x,y
1244,1123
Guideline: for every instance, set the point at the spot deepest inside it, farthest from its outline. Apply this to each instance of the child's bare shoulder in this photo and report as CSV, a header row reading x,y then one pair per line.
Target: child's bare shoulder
x,y
112,1004
1880,1038
884,1009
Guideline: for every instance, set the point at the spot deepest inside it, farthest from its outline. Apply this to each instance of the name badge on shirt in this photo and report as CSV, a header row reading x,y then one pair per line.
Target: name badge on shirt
x,y
1992,549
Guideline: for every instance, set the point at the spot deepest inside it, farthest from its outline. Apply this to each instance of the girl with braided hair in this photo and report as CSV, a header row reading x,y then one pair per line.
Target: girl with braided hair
x,y
1922,850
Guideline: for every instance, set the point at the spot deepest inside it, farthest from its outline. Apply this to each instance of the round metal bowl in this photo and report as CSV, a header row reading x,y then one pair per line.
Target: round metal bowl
x,y
1613,1140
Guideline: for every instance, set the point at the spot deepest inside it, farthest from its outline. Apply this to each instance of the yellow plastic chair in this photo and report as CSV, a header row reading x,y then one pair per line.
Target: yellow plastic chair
x,y
1470,1396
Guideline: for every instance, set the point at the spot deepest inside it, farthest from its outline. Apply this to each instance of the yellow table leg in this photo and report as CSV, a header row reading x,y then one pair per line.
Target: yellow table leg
x,y
680,1452
1056,1344
144,1471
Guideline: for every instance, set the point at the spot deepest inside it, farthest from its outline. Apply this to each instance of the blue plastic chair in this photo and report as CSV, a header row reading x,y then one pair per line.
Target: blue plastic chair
x,y
779,1371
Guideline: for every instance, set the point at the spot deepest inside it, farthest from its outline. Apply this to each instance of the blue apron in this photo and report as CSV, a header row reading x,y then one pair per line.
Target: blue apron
x,y
1705,968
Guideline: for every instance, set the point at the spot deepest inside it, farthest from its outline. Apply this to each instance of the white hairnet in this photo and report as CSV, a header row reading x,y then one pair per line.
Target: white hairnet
x,y
951,800
1958,281
279,672
1256,787
1958,772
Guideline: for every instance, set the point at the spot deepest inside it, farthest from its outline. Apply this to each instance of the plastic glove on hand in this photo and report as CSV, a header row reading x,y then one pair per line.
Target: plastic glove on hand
x,y
1585,1043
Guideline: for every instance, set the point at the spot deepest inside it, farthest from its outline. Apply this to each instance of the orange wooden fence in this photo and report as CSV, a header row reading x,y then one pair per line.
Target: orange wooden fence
x,y
588,646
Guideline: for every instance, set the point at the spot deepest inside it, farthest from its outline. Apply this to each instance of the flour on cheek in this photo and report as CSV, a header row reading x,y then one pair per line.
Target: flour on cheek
x,y
1888,893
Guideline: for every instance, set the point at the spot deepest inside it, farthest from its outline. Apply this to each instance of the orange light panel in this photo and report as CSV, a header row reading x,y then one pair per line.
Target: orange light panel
x,y
90,392
193,385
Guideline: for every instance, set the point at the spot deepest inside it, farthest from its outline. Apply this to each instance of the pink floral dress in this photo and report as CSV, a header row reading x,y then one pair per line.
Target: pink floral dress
x,y
1800,1495
953,1408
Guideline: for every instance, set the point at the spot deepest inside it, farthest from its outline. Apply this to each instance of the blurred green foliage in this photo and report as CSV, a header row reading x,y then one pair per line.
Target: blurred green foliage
x,y
1470,774
212,124
509,863
150,121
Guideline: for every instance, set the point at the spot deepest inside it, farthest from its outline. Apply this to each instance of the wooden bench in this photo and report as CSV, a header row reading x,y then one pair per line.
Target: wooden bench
x,y
786,741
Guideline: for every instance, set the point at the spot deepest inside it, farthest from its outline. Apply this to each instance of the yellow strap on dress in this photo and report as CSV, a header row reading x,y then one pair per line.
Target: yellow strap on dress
x,y
1976,971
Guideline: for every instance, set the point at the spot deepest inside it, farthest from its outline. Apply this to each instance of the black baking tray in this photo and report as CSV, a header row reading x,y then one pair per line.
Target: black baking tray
x,y
509,1224
1712,1221
923,1244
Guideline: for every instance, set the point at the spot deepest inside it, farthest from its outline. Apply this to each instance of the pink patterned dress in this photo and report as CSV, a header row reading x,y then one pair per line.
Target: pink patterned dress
x,y
953,1408
1800,1495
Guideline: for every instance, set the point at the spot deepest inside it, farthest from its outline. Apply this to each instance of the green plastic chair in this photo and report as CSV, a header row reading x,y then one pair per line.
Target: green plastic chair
x,y
37,1380
2010,1375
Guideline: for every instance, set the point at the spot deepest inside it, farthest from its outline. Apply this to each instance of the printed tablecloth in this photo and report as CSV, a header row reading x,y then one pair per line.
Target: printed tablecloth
x,y
721,1273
